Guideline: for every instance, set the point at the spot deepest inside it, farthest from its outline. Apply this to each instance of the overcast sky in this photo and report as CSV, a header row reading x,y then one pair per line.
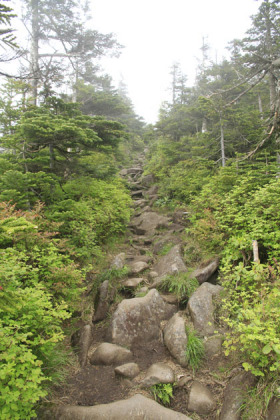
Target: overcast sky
x,y
156,33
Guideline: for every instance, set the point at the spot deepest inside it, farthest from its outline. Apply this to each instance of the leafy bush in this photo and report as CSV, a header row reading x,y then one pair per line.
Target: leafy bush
x,y
195,349
162,393
252,305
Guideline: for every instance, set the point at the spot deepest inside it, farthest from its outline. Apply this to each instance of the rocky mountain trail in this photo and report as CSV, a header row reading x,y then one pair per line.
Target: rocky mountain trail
x,y
137,337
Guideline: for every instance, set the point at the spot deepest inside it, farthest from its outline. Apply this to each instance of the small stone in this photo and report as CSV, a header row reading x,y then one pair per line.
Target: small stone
x,y
138,267
110,354
119,261
201,400
213,345
152,275
158,373
129,370
133,283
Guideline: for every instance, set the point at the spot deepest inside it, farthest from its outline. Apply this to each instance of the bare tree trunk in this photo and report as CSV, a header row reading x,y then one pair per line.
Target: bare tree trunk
x,y
204,125
35,50
260,105
256,251
222,143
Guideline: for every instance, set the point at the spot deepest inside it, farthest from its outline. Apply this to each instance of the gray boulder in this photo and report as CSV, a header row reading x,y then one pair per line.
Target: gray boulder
x,y
119,261
129,370
200,307
138,267
137,407
203,274
158,373
147,180
201,399
138,319
175,338
235,394
170,263
148,222
110,354
133,283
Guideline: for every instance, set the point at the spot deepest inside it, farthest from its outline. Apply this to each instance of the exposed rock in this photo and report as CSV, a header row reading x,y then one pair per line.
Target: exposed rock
x,y
170,263
201,308
129,370
148,222
152,275
235,394
158,373
123,172
167,240
203,274
180,216
138,267
133,283
153,199
81,340
153,190
137,194
137,407
201,400
139,318
119,261
140,203
170,298
134,171
147,180
175,338
110,354
105,296
213,345
274,410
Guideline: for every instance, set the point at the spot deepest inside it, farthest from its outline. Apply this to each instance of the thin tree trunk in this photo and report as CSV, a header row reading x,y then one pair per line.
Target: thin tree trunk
x,y
222,143
35,50
260,105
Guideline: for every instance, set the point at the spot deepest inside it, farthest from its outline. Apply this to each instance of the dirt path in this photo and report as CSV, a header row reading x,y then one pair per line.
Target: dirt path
x,y
150,237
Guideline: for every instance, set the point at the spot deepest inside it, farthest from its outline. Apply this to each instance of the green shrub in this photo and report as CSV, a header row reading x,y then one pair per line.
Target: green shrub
x,y
162,393
180,284
195,349
252,305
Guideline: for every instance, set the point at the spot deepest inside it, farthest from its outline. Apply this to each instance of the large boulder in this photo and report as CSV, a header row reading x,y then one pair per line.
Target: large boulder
x,y
175,338
171,263
158,373
201,399
110,354
148,222
235,394
200,307
204,274
137,407
139,319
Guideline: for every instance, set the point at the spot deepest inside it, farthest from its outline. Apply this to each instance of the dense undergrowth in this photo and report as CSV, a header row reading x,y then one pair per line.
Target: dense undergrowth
x,y
227,209
61,203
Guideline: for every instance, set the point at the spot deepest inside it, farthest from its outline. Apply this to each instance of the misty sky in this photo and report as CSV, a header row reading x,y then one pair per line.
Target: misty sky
x,y
157,33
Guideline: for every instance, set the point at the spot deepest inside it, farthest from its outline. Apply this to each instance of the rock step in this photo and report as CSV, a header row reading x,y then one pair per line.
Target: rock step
x,y
137,407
